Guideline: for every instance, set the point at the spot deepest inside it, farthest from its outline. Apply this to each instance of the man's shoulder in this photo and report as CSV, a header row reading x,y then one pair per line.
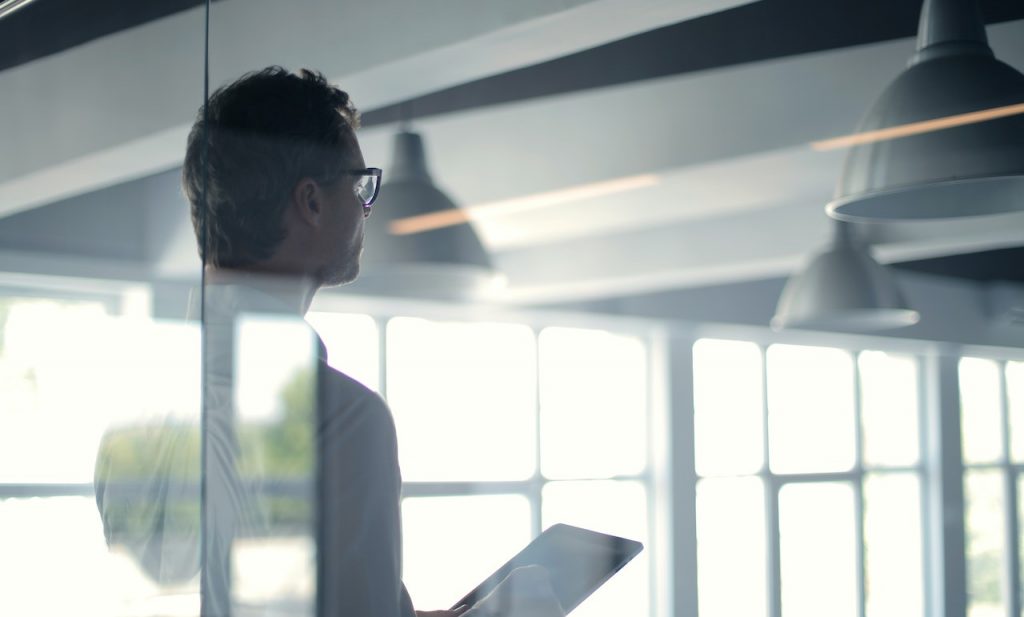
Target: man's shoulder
x,y
336,380
340,392
354,417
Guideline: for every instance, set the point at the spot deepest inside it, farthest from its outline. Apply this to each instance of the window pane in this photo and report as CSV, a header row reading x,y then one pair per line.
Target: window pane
x,y
51,417
273,563
818,550
1015,400
352,344
979,410
731,548
270,353
894,579
728,407
68,373
55,561
593,404
1020,528
810,403
889,409
464,398
451,544
618,508
986,541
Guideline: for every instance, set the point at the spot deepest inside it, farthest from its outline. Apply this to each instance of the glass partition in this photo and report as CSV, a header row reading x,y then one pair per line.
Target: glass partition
x,y
99,368
438,444
327,309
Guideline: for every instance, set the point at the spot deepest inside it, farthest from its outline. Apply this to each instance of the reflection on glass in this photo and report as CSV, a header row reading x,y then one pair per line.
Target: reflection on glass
x,y
1015,407
464,399
451,544
618,508
270,354
986,541
99,406
88,401
810,405
889,409
1020,529
352,345
980,422
894,578
818,550
56,359
728,409
593,404
731,548
55,562
272,553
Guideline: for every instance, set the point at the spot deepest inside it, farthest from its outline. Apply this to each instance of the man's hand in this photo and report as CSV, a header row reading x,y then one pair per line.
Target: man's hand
x,y
452,613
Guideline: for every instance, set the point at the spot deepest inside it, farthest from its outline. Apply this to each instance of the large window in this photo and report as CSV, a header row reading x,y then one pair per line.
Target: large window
x,y
992,422
810,493
809,481
503,431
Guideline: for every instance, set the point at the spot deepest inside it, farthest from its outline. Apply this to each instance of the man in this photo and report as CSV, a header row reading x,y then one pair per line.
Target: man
x,y
279,195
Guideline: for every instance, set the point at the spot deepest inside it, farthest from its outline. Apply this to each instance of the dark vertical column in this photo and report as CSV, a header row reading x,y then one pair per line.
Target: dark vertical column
x,y
1012,562
947,568
683,481
773,545
858,487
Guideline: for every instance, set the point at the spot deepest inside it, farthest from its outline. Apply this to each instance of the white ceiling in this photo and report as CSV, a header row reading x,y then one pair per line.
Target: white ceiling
x,y
738,193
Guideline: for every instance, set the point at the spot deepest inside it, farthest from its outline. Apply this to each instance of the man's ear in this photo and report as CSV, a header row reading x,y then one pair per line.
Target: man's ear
x,y
307,201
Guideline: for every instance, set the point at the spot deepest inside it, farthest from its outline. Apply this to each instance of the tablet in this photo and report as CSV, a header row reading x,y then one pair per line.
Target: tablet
x,y
578,561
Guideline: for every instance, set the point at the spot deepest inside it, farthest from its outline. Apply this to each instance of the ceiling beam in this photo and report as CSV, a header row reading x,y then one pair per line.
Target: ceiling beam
x,y
119,107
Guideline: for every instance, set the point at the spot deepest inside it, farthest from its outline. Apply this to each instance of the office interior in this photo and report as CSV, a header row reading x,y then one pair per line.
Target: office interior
x,y
649,182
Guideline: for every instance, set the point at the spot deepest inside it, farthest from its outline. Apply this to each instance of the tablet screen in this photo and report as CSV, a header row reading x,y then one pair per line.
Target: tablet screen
x,y
578,561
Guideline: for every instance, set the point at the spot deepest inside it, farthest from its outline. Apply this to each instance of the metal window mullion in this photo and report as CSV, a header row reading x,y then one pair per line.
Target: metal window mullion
x,y
1011,570
947,565
25,490
658,475
682,477
382,355
537,491
423,489
852,475
773,548
1013,544
928,552
858,488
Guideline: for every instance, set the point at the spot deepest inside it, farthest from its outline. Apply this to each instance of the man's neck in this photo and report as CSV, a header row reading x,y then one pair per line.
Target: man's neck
x,y
293,291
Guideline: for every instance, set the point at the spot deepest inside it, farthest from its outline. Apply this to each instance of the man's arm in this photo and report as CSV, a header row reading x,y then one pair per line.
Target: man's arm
x,y
360,544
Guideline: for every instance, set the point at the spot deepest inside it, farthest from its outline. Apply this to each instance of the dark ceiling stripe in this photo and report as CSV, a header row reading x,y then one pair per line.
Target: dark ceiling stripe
x,y
47,27
750,33
1005,264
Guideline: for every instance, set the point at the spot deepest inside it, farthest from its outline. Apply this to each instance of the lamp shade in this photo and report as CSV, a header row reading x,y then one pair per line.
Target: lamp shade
x,y
969,168
843,288
447,261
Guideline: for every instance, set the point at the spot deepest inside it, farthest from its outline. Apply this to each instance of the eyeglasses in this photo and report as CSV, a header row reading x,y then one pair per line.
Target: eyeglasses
x,y
366,187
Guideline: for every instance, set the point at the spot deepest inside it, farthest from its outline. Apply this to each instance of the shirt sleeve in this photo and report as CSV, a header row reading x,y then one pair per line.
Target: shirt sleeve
x,y
360,528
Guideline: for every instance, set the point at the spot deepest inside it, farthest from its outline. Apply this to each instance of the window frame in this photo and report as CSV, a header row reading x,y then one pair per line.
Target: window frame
x,y
773,482
1010,474
653,478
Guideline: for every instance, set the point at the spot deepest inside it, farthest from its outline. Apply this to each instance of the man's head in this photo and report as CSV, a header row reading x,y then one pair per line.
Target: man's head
x,y
276,151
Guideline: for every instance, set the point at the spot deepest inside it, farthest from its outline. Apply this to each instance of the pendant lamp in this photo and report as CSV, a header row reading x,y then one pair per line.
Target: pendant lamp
x,y
970,168
447,262
843,288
